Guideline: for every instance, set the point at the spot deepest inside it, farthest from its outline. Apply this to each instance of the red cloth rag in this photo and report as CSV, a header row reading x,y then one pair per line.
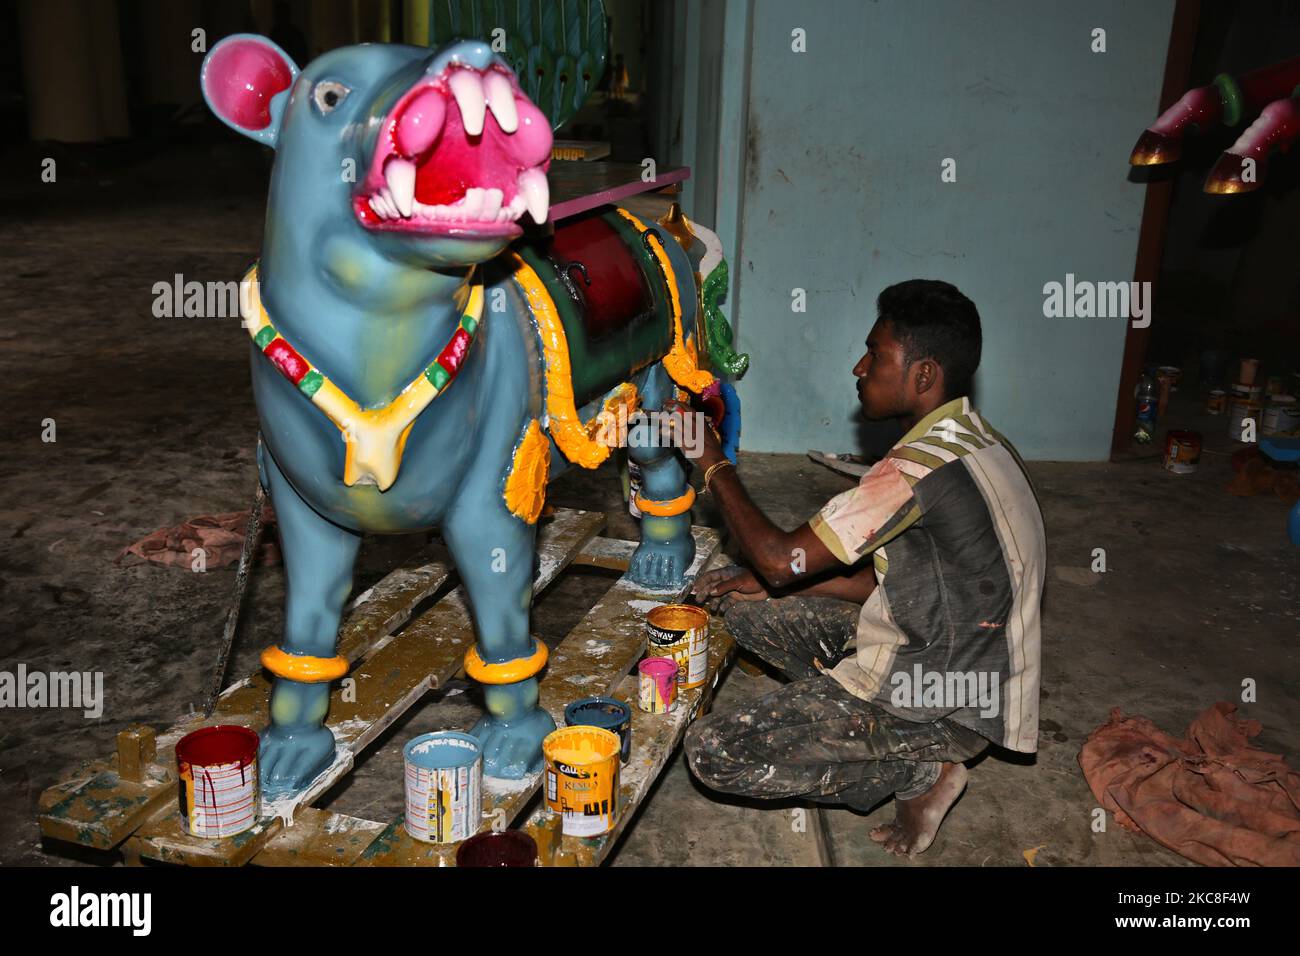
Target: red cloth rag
x,y
1211,797
220,536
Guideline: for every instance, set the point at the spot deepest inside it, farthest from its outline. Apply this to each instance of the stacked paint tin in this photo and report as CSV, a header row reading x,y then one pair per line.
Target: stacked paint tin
x,y
444,787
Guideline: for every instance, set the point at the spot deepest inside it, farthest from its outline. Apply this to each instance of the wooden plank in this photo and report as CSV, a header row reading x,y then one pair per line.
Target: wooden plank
x,y
654,739
100,808
319,838
610,553
386,684
592,659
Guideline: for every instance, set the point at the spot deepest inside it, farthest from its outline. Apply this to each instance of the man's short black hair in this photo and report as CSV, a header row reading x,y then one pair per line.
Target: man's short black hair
x,y
932,319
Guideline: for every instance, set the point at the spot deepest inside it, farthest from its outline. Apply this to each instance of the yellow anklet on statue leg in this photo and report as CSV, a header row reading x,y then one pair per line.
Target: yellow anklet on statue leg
x,y
666,509
302,667
507,672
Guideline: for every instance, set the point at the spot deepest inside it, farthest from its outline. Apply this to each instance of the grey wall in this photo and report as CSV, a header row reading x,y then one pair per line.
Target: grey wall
x,y
839,193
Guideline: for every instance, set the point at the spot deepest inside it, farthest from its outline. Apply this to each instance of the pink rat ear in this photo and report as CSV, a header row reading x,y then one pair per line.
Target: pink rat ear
x,y
242,77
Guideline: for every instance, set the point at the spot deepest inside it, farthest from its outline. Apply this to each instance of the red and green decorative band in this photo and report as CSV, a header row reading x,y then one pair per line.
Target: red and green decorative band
x,y
287,359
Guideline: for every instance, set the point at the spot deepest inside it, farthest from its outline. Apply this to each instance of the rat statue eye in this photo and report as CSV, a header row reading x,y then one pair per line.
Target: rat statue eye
x,y
328,94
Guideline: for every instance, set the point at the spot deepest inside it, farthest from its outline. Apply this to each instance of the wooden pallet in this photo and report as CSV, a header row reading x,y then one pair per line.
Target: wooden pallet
x,y
130,799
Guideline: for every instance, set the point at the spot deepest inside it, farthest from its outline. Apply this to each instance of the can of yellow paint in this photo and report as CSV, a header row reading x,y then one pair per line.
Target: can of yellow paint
x,y
444,786
218,781
681,631
581,774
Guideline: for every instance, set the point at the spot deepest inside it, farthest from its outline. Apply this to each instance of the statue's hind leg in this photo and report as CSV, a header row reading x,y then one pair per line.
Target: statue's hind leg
x,y
667,548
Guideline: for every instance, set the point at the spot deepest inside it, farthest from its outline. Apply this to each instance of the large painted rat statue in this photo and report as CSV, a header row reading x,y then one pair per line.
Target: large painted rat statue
x,y
416,367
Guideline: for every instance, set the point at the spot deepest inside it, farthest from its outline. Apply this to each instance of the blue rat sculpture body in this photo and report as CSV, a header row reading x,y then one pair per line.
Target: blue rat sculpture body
x,y
413,370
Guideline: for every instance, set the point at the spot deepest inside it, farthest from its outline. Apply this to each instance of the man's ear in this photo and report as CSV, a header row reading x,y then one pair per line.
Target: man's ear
x,y
245,78
926,375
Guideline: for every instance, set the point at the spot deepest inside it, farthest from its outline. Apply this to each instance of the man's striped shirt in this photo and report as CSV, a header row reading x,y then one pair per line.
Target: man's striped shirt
x,y
951,522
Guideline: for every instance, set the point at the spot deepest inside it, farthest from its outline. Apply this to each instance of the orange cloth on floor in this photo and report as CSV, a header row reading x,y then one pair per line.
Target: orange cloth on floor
x,y
1211,797
220,536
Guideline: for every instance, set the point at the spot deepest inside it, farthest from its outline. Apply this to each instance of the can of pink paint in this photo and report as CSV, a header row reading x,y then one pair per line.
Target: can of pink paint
x,y
444,786
658,684
218,781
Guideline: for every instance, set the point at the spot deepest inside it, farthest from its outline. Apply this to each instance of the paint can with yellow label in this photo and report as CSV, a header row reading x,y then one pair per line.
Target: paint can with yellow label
x,y
681,631
581,779
444,786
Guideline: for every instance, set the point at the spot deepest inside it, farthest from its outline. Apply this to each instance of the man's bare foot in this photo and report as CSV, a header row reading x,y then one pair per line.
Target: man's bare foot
x,y
916,821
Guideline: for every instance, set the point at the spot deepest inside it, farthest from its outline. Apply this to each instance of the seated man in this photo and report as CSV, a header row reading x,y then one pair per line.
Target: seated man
x,y
907,619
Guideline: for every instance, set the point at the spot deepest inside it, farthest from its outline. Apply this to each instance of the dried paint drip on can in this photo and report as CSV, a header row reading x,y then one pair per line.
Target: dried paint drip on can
x,y
1182,452
1243,419
1281,415
658,684
607,714
681,631
218,781
444,786
582,768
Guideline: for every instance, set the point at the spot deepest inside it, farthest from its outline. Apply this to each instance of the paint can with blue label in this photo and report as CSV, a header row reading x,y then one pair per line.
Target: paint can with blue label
x,y
607,714
444,786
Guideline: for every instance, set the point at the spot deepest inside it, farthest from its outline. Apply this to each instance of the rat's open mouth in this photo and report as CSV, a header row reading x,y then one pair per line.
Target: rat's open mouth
x,y
461,154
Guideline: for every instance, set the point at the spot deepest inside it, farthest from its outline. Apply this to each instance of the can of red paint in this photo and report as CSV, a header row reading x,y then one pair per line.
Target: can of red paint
x,y
493,849
444,786
218,781
681,631
1182,452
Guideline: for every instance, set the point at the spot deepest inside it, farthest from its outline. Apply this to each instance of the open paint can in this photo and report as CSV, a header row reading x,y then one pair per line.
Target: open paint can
x,y
444,786
582,768
607,714
504,848
681,631
218,781
1182,452
658,684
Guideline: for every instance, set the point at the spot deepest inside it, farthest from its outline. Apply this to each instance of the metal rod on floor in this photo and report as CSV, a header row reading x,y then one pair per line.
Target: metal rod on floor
x,y
252,532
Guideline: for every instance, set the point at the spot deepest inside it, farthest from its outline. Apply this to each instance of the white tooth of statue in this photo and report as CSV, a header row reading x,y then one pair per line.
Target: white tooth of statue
x,y
501,100
491,204
536,192
377,204
400,174
468,208
468,90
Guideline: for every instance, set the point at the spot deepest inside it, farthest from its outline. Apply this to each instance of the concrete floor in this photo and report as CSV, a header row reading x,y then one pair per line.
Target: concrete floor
x,y
155,424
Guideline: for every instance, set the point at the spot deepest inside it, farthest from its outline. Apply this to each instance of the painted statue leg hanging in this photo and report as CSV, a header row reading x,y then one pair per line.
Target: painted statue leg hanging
x,y
667,548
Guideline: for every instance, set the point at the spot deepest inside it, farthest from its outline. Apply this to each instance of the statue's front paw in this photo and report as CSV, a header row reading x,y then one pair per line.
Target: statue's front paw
x,y
512,749
291,758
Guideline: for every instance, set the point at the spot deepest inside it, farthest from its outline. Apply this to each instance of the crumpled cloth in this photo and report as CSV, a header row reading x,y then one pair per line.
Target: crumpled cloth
x,y
1211,797
221,536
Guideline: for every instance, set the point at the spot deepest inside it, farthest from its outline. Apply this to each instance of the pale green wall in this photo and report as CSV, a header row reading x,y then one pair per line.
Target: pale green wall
x,y
842,196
